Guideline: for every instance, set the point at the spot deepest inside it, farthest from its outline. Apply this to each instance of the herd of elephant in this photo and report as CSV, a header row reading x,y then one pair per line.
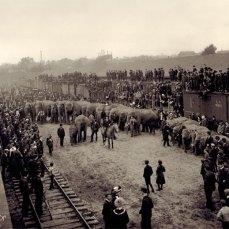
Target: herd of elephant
x,y
80,112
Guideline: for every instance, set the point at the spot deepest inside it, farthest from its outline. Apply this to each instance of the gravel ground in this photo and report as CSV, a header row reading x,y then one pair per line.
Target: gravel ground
x,y
93,170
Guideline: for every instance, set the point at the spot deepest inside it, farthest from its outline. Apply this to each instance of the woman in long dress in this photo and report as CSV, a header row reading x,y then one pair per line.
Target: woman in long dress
x,y
160,180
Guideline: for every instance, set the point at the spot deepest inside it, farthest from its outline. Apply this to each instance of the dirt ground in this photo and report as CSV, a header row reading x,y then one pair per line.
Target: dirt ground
x,y
92,171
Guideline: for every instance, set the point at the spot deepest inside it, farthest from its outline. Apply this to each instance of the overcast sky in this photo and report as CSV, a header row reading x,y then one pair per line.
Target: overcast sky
x,y
79,28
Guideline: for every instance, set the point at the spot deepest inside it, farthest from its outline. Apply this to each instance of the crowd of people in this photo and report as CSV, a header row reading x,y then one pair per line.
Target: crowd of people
x,y
21,154
158,74
212,123
115,215
21,145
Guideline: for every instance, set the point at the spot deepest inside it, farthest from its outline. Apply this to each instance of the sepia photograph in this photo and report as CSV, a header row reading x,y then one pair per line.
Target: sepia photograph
x,y
114,114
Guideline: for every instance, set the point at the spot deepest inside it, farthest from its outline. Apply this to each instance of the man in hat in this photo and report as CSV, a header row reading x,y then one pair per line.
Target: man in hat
x,y
148,171
51,186
108,208
4,162
24,187
39,194
146,210
61,134
165,134
49,143
209,186
94,130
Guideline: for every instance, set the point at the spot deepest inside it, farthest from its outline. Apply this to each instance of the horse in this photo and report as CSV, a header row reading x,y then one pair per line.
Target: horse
x,y
109,134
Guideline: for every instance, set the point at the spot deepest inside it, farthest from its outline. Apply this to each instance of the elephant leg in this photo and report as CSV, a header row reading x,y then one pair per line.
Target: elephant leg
x,y
84,135
109,143
112,143
104,139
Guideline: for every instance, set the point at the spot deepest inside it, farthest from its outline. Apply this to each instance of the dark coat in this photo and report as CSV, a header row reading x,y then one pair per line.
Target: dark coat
x,y
49,142
61,132
160,174
148,171
209,181
120,219
108,208
147,206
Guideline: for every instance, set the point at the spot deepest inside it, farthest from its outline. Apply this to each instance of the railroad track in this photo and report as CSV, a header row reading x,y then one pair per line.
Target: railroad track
x,y
62,208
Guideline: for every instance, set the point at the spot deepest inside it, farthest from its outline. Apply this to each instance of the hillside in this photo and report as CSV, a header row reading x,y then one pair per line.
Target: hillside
x,y
28,68
216,61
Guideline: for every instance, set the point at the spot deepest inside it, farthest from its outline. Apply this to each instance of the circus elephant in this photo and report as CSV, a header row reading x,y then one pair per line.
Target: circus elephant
x,y
134,122
83,104
149,120
122,113
68,111
40,114
73,133
61,112
30,110
82,122
54,113
76,109
47,105
100,111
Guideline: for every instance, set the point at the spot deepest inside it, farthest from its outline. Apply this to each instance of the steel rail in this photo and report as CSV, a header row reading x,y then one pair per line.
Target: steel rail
x,y
82,219
35,213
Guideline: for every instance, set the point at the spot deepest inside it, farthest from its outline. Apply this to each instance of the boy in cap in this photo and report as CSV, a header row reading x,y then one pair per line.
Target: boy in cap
x,y
51,176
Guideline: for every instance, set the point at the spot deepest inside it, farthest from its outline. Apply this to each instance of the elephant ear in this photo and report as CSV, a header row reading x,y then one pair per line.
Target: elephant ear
x,y
72,129
39,105
83,105
136,113
82,119
99,108
91,108
76,107
114,111
47,103
68,105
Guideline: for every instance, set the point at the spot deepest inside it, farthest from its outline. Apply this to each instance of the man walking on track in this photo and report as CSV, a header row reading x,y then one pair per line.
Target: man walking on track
x,y
148,171
61,134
